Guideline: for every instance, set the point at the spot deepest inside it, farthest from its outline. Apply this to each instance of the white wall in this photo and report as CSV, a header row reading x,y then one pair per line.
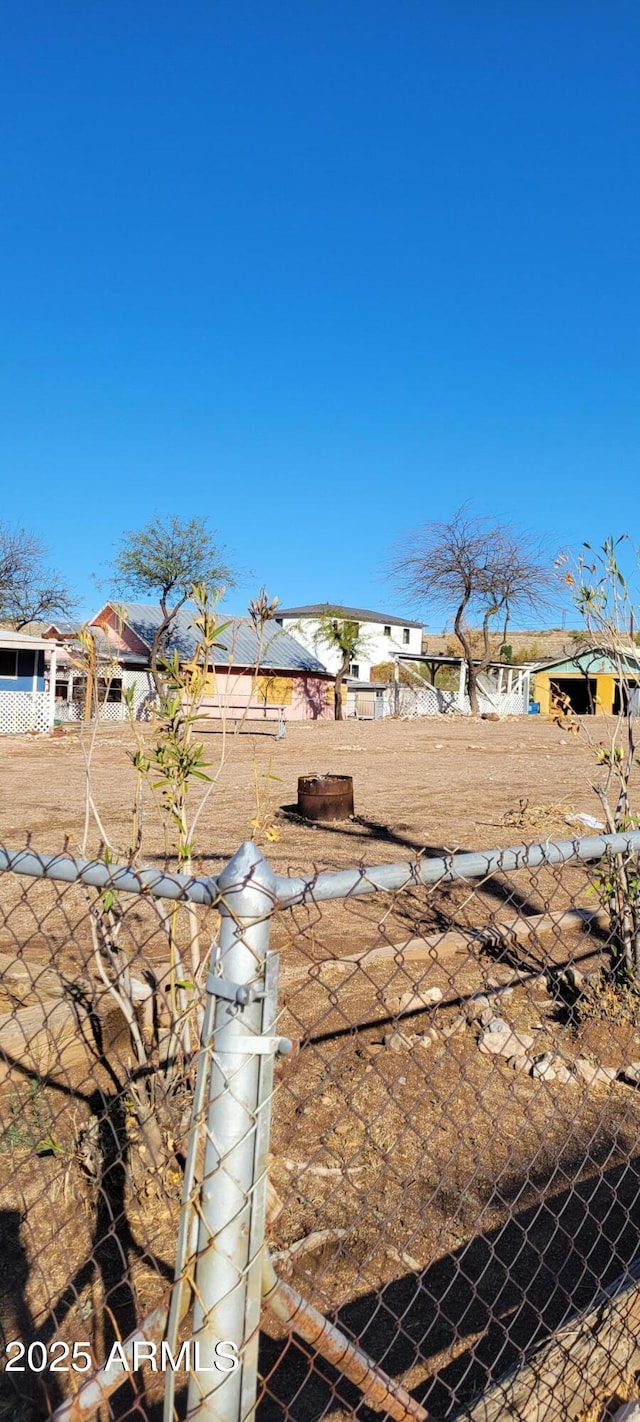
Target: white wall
x,y
376,647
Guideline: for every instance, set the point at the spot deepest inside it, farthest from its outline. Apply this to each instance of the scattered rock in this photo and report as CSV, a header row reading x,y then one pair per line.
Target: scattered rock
x,y
632,1073
491,1043
426,1039
412,1001
506,995
575,979
476,1005
523,1039
489,716
555,1063
458,1025
395,1042
498,1024
592,1074
505,1043
486,1016
544,1070
586,1070
520,1062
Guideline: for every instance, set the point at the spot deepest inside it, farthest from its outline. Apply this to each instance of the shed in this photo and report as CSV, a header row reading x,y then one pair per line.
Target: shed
x,y
590,679
27,684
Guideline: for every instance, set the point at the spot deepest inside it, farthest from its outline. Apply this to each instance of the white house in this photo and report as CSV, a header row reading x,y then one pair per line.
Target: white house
x,y
382,636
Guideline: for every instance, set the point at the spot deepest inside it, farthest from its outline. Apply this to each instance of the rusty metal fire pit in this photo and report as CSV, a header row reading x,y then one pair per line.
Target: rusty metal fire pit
x,y
325,797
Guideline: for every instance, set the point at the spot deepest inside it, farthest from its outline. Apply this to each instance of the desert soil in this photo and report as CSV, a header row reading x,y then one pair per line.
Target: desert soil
x,y
465,1209
421,783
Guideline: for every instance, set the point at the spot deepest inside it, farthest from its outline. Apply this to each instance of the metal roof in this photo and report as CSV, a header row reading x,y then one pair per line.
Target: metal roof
x,y
238,645
595,660
105,647
62,629
23,640
355,614
432,657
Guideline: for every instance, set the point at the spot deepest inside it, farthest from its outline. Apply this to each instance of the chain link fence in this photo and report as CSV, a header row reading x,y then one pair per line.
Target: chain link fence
x,y
401,1181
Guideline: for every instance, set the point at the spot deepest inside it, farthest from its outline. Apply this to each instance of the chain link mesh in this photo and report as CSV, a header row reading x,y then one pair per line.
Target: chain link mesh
x,y
455,1145
453,1169
95,1092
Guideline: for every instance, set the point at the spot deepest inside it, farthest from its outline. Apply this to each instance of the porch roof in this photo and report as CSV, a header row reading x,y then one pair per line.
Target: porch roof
x,y
23,640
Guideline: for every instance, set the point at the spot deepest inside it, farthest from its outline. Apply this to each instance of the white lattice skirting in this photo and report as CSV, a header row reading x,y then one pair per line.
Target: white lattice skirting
x,y
108,711
73,711
429,701
22,711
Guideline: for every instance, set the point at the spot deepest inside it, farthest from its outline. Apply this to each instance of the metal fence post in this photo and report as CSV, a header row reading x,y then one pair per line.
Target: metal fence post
x,y
232,1206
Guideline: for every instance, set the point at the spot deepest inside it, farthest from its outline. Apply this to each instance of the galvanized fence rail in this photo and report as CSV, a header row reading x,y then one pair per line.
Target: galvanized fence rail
x,y
434,1197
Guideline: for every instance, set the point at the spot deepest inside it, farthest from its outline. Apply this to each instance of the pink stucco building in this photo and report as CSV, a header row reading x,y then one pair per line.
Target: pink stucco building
x,y
267,677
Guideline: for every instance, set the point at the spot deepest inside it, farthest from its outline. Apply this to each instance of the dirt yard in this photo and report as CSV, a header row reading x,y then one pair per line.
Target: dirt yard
x,y
442,1205
417,784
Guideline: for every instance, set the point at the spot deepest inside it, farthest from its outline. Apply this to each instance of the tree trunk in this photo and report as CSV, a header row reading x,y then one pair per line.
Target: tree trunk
x,y
340,676
490,612
472,679
337,698
168,617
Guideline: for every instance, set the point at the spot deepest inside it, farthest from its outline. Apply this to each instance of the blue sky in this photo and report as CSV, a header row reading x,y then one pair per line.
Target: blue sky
x,y
319,271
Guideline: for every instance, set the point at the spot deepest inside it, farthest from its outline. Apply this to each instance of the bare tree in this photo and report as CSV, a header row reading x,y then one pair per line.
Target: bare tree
x,y
29,591
168,558
476,567
519,577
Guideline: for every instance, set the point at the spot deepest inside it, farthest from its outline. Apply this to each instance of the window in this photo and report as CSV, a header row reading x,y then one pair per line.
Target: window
x,y
387,631
8,663
114,689
354,670
406,636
